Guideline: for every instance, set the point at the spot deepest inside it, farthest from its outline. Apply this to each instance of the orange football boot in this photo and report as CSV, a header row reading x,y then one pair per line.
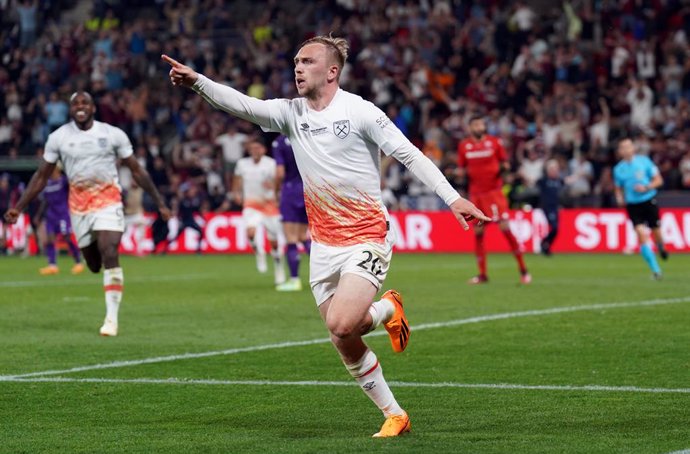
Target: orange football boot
x,y
398,328
48,270
78,268
394,426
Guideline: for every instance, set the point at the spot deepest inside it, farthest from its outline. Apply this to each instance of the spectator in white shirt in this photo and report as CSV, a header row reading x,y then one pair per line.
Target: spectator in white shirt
x,y
640,98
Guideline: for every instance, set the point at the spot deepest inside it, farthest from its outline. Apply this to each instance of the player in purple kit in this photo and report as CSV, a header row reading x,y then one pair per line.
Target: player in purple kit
x,y
292,210
56,212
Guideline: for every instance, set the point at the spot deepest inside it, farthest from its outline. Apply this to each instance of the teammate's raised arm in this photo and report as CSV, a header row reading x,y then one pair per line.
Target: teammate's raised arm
x,y
36,185
143,179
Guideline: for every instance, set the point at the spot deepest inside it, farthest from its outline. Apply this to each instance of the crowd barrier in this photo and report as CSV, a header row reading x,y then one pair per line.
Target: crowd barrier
x,y
581,230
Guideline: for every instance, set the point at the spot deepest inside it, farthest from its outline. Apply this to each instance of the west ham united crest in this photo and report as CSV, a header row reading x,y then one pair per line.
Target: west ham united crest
x,y
341,128
102,142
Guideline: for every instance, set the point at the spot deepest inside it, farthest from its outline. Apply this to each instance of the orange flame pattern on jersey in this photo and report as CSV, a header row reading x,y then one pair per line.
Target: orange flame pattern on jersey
x,y
338,220
90,196
269,208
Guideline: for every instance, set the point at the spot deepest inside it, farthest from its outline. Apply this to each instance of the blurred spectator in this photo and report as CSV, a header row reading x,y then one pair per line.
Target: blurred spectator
x,y
646,62
531,171
56,112
579,179
28,22
232,145
606,189
550,191
684,168
640,99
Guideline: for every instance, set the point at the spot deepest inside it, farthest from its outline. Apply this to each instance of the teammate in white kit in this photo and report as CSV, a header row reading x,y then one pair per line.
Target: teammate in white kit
x,y
336,137
89,151
254,189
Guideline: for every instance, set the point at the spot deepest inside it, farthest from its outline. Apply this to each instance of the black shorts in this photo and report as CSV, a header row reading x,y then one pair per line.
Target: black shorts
x,y
644,213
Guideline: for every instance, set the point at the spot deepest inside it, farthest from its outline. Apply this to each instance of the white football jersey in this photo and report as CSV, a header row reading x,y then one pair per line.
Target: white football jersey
x,y
337,153
90,163
258,184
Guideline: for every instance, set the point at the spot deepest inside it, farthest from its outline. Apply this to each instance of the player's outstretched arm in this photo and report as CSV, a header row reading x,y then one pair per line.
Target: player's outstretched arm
x,y
423,168
220,96
36,185
143,179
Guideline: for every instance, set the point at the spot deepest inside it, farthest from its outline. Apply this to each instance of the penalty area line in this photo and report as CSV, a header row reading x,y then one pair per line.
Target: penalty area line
x,y
422,327
398,384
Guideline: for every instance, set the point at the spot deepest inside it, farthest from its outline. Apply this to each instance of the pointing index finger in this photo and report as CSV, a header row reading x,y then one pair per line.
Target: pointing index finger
x,y
171,61
483,217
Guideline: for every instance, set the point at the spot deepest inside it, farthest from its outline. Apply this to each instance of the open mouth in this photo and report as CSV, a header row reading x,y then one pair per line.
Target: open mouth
x,y
80,114
300,82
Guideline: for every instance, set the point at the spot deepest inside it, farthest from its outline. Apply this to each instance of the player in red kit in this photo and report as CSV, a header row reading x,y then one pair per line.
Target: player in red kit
x,y
482,158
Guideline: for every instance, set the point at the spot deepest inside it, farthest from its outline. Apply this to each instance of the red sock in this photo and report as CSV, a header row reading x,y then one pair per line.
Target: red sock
x,y
480,252
515,248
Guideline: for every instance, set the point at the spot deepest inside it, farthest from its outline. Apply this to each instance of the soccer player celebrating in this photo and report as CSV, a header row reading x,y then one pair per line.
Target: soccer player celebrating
x,y
637,180
292,209
55,209
89,150
254,188
336,137
482,159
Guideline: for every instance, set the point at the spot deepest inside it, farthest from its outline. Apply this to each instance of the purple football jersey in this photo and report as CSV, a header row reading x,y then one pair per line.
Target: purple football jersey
x,y
55,194
292,192
284,156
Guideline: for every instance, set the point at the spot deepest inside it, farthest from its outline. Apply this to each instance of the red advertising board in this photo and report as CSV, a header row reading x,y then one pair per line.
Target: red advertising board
x,y
581,230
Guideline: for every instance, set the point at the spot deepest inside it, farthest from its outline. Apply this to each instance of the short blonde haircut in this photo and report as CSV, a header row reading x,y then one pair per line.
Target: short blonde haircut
x,y
338,48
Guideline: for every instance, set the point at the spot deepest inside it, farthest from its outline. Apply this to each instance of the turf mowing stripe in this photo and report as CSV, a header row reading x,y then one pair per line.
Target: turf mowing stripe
x,y
425,326
505,386
77,281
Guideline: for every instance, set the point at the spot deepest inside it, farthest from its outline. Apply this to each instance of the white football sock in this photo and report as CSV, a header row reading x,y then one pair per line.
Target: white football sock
x,y
113,282
381,311
369,376
279,269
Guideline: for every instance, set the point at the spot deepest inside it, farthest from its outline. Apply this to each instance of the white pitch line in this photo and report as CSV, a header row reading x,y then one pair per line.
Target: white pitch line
x,y
398,384
684,451
426,326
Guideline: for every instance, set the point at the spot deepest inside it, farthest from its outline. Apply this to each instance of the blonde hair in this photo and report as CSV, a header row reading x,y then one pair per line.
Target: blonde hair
x,y
338,48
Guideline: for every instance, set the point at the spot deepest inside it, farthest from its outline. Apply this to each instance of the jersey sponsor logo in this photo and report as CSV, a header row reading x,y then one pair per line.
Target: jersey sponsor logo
x,y
341,128
479,154
102,142
319,131
304,127
383,121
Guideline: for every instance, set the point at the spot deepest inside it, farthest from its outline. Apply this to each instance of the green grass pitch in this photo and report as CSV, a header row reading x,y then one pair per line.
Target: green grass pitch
x,y
558,366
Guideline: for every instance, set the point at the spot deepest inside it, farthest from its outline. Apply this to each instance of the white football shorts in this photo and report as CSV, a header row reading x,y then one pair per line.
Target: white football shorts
x,y
328,263
85,226
254,218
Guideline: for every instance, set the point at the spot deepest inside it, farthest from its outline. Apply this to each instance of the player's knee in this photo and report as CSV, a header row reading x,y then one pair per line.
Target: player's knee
x,y
93,265
340,329
109,255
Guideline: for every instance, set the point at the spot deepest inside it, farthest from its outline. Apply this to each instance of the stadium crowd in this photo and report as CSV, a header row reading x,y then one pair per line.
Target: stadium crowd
x,y
558,81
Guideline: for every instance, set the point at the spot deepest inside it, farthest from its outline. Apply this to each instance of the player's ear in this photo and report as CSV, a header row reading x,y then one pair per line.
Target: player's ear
x,y
333,73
